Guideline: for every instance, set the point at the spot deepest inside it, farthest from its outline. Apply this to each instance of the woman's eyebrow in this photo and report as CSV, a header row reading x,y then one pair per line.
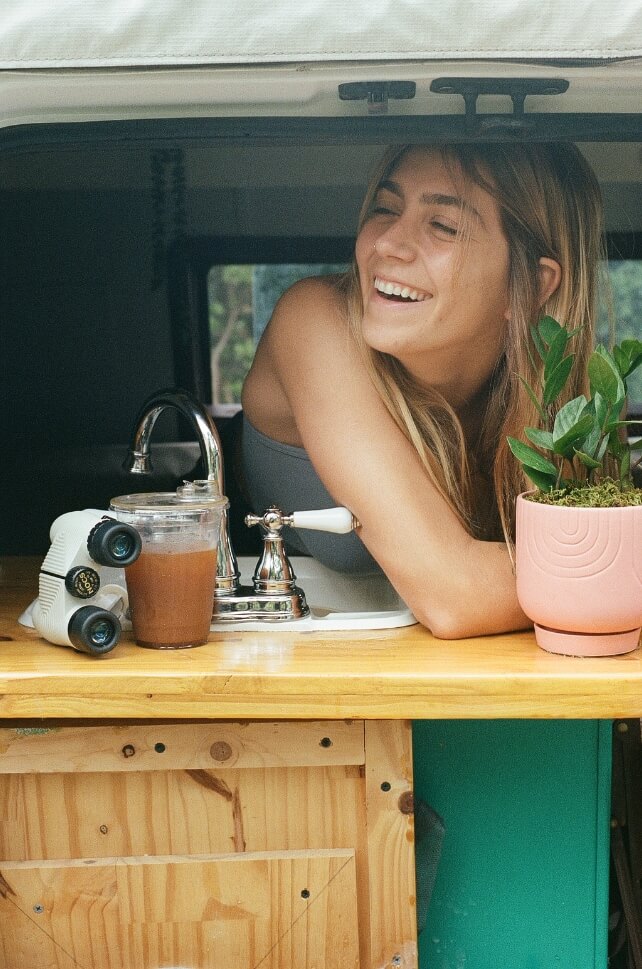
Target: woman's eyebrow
x,y
432,198
389,186
436,198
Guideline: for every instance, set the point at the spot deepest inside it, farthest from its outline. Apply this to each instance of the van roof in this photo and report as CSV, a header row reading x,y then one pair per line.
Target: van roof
x,y
113,33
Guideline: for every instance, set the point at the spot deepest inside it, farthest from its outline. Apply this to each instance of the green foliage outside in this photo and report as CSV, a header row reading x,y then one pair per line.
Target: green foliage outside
x,y
241,301
626,284
231,342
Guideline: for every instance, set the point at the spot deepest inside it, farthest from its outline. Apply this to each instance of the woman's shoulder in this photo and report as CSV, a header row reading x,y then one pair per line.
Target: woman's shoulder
x,y
307,329
310,300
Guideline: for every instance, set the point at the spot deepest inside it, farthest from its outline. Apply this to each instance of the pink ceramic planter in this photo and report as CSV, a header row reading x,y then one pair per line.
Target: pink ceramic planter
x,y
579,577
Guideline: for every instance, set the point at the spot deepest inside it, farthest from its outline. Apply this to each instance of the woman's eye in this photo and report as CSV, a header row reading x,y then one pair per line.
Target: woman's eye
x,y
450,230
381,210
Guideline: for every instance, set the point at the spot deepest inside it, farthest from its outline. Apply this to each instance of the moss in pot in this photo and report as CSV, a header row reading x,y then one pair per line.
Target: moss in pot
x,y
579,533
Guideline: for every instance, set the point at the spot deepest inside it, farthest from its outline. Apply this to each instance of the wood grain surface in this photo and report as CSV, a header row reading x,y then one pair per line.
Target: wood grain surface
x,y
282,674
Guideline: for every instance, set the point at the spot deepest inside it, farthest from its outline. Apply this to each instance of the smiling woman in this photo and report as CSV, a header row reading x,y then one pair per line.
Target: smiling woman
x,y
395,384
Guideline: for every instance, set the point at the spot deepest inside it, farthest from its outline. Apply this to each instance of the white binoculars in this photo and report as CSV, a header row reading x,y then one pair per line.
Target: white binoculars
x,y
81,590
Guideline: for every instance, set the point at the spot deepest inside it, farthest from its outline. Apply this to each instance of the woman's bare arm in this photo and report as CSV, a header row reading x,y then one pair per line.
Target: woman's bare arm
x,y
309,386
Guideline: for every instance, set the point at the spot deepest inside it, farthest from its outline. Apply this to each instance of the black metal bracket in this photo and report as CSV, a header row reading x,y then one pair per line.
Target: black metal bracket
x,y
517,88
377,93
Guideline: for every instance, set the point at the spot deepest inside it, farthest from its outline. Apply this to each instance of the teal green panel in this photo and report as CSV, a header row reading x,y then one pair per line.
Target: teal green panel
x,y
523,877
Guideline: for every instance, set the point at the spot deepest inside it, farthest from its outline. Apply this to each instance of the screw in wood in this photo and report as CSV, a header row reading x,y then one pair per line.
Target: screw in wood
x,y
38,909
129,750
220,751
325,742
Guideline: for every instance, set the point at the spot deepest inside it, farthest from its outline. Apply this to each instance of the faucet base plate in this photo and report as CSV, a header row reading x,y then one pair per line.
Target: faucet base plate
x,y
246,604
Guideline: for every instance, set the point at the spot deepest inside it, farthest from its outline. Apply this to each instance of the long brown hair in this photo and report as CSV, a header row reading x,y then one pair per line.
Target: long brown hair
x,y
550,206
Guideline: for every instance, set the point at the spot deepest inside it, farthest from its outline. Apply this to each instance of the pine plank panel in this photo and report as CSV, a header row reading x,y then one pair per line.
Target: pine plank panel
x,y
157,746
390,824
64,816
140,913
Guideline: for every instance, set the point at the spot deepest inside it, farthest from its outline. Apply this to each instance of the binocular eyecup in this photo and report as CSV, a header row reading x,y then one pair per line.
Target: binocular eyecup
x,y
113,543
92,630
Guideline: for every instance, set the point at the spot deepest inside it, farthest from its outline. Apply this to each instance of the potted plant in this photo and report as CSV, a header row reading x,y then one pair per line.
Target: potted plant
x,y
578,549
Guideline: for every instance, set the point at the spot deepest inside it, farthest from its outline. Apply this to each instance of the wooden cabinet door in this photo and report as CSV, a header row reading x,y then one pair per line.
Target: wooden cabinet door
x,y
284,845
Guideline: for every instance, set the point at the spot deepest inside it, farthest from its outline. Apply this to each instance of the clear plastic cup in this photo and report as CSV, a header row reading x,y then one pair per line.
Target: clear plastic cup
x,y
171,584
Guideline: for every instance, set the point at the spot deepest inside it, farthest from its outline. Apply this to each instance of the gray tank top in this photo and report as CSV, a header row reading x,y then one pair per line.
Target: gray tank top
x,y
283,475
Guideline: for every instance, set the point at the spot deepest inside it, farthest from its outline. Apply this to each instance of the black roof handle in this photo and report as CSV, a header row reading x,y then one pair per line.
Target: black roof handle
x,y
517,88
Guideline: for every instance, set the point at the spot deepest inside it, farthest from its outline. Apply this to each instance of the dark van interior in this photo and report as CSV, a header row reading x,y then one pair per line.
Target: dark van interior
x,y
116,246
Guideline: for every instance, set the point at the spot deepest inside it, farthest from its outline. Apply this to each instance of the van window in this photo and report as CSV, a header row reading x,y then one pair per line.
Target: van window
x,y
625,277
241,299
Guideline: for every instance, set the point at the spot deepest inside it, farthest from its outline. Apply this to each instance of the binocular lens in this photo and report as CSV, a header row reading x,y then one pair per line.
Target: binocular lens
x,y
101,632
94,630
121,545
113,543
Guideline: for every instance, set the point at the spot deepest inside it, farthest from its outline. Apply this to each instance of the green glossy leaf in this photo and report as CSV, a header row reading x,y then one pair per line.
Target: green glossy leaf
x,y
555,352
569,415
613,424
632,351
545,482
616,447
622,361
565,444
555,382
587,460
631,347
539,437
548,328
531,458
539,346
625,465
604,376
601,451
601,408
531,393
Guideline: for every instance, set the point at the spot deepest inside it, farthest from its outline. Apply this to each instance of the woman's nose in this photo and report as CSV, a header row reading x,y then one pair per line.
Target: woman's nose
x,y
397,241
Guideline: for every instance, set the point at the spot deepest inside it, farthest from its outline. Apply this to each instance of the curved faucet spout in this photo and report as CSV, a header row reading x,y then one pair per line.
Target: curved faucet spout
x,y
138,460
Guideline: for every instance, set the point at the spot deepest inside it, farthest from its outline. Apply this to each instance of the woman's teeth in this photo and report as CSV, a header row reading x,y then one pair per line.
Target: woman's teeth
x,y
394,289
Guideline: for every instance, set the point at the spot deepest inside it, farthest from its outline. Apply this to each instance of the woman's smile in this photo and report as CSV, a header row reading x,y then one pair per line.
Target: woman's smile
x,y
398,292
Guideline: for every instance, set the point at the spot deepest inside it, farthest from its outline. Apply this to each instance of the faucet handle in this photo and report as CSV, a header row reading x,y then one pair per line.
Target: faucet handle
x,y
339,520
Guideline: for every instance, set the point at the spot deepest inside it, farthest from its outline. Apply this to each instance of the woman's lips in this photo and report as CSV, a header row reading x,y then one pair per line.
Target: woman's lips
x,y
399,292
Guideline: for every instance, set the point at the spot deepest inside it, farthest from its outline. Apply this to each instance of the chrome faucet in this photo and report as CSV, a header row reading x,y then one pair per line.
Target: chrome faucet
x,y
273,594
138,461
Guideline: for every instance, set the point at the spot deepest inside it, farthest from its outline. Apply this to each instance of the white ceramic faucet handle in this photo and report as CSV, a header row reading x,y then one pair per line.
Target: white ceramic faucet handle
x,y
337,520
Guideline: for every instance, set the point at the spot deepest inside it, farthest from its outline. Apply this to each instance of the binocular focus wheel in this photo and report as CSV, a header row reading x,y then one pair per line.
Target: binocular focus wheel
x,y
94,631
113,543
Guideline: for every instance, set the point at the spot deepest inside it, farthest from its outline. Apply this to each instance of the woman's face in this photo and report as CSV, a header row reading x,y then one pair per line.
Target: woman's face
x,y
436,301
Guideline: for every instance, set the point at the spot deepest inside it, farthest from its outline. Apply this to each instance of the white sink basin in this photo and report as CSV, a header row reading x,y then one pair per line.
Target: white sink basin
x,y
336,600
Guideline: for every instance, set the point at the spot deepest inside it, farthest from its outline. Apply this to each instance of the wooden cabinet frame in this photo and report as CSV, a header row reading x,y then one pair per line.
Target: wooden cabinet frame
x,y
258,845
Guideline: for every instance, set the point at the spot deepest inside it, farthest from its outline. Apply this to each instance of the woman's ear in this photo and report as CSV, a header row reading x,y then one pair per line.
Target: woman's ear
x,y
550,276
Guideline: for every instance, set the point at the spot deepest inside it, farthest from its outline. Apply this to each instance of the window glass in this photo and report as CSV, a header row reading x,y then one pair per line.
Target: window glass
x,y
625,277
241,299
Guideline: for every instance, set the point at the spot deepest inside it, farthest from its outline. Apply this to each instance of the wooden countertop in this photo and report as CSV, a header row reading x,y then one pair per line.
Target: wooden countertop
x,y
379,674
